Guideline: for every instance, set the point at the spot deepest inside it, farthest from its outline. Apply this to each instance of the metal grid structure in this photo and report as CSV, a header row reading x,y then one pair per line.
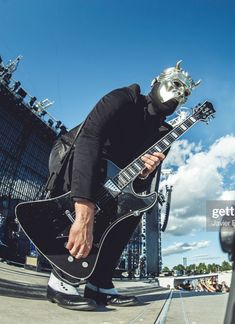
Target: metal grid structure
x,y
24,150
27,133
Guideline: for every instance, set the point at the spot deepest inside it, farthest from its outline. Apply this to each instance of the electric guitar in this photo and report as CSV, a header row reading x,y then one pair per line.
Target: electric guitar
x,y
47,222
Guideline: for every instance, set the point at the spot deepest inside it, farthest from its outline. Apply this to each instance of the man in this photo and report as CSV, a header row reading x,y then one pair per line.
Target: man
x,y
122,125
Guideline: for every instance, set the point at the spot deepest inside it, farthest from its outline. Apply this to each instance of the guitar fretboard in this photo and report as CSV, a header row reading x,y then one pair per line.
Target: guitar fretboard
x,y
131,171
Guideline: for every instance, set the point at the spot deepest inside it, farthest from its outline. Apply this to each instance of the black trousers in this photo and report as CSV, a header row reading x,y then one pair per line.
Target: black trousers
x,y
111,251
115,241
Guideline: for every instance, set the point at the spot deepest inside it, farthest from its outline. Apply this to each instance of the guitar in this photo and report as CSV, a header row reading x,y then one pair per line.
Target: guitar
x,y
47,222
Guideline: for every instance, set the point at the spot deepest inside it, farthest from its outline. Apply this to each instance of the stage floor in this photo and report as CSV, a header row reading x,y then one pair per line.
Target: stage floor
x,y
23,300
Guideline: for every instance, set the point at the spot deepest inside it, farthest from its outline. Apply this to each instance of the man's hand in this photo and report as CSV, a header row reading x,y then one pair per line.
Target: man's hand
x,y
81,232
151,161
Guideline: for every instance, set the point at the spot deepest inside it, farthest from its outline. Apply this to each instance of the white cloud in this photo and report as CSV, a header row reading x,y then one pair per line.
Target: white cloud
x,y
205,257
181,247
228,195
200,177
180,152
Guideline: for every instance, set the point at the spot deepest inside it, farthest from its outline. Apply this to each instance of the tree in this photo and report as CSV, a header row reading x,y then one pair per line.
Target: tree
x,y
191,269
165,269
179,269
202,268
225,266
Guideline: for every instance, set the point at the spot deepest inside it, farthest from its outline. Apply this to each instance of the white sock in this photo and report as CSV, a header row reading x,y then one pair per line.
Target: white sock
x,y
62,286
109,291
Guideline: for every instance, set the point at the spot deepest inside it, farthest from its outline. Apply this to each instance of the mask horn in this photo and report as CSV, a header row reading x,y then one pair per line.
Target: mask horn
x,y
197,83
177,66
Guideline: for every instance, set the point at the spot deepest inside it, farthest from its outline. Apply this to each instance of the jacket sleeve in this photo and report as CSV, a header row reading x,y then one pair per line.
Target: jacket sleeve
x,y
88,149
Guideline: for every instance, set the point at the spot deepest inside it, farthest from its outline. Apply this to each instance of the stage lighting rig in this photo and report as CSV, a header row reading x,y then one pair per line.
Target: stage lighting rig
x,y
13,65
44,104
39,108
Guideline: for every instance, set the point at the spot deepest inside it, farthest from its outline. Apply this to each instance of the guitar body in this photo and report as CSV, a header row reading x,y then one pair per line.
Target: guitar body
x,y
47,223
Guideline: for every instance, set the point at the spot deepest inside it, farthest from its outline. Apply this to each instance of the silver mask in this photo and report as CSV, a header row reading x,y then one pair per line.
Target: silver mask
x,y
174,83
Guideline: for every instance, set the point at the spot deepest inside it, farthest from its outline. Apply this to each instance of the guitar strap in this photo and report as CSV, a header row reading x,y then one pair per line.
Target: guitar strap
x,y
54,175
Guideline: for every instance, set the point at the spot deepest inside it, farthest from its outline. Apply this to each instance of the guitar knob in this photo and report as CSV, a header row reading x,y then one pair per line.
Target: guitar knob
x,y
85,264
70,258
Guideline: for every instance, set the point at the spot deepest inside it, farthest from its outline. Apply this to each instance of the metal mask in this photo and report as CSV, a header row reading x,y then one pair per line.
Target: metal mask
x,y
174,83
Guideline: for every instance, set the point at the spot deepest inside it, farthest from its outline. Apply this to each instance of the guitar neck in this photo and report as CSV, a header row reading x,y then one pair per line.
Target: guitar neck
x,y
131,171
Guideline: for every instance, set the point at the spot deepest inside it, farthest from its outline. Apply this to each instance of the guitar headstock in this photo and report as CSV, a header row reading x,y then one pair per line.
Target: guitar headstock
x,y
204,112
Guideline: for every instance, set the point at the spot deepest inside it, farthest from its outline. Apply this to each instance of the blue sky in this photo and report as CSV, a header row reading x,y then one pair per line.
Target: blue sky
x,y
76,51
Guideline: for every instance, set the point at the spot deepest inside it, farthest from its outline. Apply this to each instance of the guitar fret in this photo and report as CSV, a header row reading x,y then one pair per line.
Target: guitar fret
x,y
125,178
151,150
178,131
174,134
131,171
188,123
126,174
157,148
165,141
120,180
134,168
170,138
183,127
137,166
162,145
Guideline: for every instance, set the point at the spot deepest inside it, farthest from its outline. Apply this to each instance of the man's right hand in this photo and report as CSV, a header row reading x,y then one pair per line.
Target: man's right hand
x,y
81,232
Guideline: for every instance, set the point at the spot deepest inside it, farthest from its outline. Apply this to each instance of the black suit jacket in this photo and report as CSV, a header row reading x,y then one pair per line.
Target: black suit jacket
x,y
119,127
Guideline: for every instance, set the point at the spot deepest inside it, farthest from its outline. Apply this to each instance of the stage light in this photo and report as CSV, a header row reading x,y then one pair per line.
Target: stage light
x,y
16,85
63,130
58,124
7,78
43,113
50,122
22,93
32,101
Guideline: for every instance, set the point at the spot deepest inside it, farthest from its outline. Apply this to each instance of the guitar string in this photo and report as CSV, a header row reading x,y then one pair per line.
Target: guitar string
x,y
103,195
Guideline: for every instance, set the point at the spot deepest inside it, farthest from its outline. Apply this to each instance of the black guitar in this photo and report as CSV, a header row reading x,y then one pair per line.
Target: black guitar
x,y
47,222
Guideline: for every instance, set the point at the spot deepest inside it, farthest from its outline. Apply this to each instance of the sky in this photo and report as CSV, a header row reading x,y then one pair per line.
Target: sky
x,y
75,51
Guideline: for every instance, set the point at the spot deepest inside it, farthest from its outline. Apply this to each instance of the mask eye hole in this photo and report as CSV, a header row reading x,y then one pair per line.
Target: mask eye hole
x,y
177,84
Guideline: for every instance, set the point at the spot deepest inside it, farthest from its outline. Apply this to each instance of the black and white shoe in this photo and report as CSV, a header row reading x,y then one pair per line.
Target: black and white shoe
x,y
67,296
110,299
74,302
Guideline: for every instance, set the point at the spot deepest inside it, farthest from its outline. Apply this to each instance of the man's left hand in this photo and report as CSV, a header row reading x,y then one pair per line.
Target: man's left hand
x,y
151,161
